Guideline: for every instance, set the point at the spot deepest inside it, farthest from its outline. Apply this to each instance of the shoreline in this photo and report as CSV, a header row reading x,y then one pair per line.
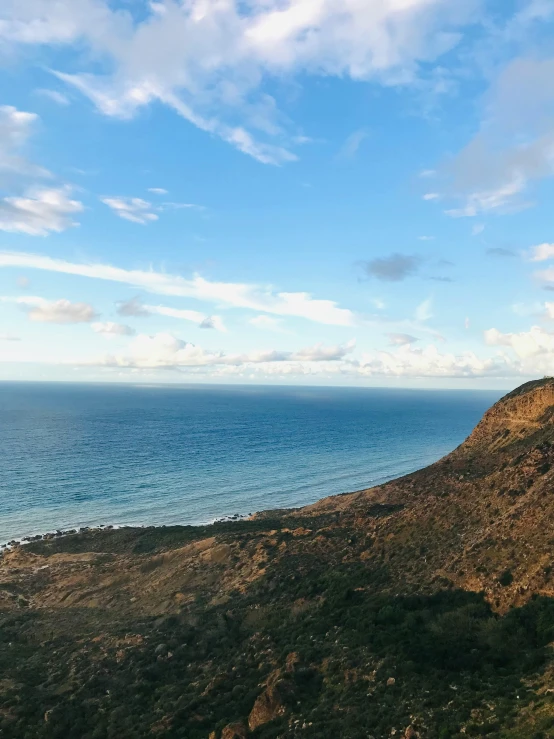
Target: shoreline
x,y
15,542
21,541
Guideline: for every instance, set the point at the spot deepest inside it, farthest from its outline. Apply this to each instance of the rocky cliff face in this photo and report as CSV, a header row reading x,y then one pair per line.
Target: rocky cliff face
x,y
306,622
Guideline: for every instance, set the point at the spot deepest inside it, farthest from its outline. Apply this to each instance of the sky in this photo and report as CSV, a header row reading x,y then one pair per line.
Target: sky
x,y
322,192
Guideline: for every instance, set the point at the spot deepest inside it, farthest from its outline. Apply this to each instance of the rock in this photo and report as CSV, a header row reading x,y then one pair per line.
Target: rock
x,y
292,660
391,681
410,733
160,649
236,730
268,706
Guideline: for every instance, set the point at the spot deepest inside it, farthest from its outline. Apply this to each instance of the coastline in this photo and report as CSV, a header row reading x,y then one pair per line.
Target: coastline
x,y
62,533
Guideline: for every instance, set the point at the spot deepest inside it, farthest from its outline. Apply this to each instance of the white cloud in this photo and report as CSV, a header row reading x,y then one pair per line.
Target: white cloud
x,y
23,282
132,209
163,350
54,311
109,328
157,190
431,196
54,95
541,253
180,206
201,319
408,361
352,144
16,127
477,229
526,344
401,339
514,146
40,211
426,238
141,211
499,199
198,57
427,173
546,275
424,310
238,295
9,337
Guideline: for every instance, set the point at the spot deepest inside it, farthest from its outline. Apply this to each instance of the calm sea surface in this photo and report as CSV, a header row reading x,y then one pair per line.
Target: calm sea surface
x,y
84,455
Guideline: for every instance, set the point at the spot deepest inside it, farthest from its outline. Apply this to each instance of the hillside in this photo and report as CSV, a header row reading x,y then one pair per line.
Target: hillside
x,y
420,608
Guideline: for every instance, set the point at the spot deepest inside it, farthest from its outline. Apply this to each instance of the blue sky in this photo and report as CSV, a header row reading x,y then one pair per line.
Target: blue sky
x,y
277,191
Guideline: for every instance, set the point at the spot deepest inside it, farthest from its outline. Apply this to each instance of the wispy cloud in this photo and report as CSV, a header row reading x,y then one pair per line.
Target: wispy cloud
x,y
424,310
541,253
16,127
352,144
239,295
514,146
500,251
401,339
39,211
217,59
55,95
201,319
136,210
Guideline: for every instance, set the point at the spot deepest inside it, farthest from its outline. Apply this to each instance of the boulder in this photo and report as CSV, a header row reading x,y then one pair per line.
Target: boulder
x,y
268,705
236,730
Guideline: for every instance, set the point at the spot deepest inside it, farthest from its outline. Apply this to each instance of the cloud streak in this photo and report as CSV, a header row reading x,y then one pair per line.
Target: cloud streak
x,y
237,295
131,209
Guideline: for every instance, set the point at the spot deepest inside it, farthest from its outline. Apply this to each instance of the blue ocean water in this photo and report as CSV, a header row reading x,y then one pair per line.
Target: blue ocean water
x,y
85,455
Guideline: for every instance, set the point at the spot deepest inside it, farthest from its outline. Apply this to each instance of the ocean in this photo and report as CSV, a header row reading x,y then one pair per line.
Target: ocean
x,y
84,455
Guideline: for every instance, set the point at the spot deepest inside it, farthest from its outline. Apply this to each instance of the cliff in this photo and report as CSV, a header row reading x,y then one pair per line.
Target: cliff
x,y
423,607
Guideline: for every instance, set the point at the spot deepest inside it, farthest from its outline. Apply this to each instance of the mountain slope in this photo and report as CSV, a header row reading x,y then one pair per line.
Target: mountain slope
x,y
423,607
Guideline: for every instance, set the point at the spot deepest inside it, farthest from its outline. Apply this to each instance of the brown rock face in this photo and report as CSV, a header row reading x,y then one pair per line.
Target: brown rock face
x,y
268,705
292,661
236,730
